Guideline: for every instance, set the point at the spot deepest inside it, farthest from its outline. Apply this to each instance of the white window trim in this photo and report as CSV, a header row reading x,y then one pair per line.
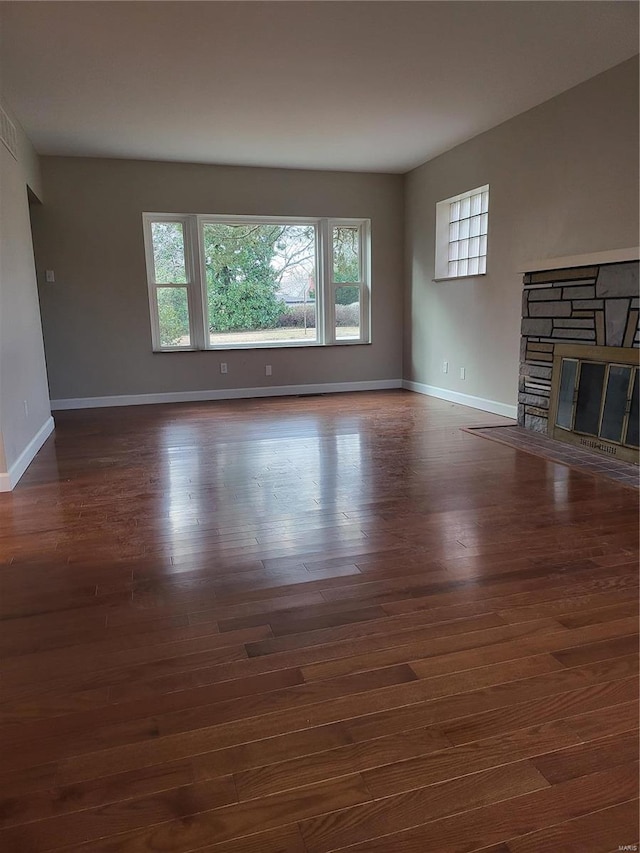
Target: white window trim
x,y
197,289
153,287
364,246
442,236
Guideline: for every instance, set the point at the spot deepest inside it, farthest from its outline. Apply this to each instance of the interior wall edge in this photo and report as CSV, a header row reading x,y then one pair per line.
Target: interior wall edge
x,y
10,479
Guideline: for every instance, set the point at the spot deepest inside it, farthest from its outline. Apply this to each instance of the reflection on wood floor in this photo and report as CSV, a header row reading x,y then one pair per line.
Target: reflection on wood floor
x,y
308,624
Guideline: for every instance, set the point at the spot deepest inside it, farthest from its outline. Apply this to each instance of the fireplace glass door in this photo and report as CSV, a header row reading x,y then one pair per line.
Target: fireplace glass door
x,y
599,400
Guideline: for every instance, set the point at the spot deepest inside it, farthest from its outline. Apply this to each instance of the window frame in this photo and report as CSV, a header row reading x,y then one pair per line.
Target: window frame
x,y
154,286
441,272
364,248
196,285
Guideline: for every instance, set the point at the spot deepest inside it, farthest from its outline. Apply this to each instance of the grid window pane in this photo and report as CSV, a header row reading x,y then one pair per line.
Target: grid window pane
x,y
173,316
468,223
347,307
168,253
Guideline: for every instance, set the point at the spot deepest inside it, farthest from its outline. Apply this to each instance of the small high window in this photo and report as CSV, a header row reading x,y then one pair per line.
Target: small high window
x,y
462,224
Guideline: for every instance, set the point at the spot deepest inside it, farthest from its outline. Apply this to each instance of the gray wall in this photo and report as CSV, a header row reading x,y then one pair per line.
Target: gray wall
x,y
563,180
96,316
23,374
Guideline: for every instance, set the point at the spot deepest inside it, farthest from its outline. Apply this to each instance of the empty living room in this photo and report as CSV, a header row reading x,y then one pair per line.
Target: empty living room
x,y
319,426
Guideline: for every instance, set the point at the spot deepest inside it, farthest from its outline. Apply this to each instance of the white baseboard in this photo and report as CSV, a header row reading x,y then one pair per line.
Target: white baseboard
x,y
492,406
9,480
223,394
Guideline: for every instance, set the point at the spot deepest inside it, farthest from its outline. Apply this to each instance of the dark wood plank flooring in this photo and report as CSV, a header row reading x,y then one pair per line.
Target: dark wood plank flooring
x,y
315,624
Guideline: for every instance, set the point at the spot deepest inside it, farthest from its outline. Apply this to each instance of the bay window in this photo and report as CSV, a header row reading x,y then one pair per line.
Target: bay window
x,y
223,282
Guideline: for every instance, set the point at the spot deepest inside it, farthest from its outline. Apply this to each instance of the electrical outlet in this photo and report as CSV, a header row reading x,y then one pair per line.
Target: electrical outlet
x,y
223,367
50,276
267,370
463,373
445,366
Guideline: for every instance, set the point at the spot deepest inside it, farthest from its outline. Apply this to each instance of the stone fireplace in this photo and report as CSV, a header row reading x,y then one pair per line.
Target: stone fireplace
x,y
579,355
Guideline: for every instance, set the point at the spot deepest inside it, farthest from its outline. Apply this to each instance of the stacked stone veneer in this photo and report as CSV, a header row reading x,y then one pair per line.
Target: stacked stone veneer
x,y
596,305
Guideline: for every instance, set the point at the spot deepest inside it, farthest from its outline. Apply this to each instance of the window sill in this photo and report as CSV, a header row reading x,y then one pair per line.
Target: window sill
x,y
259,346
459,277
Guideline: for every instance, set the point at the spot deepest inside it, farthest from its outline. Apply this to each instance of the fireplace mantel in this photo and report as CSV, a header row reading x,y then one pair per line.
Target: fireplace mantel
x,y
612,256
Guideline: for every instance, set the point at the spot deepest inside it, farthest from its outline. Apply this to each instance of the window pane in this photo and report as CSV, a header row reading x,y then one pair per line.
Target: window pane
x,y
168,253
634,414
261,283
589,397
173,316
615,402
347,312
467,224
565,393
346,253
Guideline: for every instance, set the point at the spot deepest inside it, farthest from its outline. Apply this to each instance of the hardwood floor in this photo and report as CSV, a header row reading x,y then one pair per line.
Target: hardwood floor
x,y
312,624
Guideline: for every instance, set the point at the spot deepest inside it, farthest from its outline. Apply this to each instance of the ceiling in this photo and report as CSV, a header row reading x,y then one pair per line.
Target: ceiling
x,y
366,86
